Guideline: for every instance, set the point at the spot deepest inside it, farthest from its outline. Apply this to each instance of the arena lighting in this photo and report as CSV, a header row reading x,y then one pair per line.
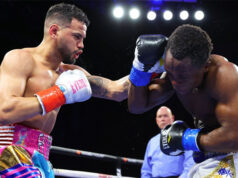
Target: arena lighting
x,y
168,15
199,15
189,1
134,13
118,12
184,15
161,1
151,15
157,2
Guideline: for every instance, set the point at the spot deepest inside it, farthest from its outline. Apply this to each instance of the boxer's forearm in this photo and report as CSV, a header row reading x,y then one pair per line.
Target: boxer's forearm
x,y
18,109
119,88
137,99
108,89
219,140
144,98
224,138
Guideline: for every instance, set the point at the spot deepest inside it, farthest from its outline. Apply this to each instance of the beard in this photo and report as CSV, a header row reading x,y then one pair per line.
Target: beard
x,y
67,56
68,60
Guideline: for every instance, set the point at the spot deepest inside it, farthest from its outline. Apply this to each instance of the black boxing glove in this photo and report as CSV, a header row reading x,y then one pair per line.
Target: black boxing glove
x,y
178,137
148,58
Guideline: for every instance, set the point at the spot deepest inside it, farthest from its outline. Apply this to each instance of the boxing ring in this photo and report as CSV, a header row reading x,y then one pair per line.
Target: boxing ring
x,y
91,155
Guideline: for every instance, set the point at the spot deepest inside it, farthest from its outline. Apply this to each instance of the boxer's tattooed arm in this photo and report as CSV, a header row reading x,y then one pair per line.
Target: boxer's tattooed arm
x,y
98,86
108,89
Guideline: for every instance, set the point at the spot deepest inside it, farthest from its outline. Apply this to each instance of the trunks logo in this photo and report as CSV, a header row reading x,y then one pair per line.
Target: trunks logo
x,y
22,136
41,143
225,172
225,168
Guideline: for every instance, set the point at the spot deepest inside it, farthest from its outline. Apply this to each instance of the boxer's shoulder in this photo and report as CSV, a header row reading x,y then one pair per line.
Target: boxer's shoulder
x,y
18,59
221,62
222,77
224,68
219,66
24,52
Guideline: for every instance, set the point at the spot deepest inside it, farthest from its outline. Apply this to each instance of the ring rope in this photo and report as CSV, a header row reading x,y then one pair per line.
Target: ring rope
x,y
82,174
87,154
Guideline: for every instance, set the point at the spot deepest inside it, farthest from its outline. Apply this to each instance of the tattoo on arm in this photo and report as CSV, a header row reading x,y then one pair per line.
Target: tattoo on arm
x,y
108,89
98,86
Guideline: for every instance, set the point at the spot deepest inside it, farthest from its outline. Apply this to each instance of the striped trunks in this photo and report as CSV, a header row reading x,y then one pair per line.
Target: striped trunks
x,y
24,152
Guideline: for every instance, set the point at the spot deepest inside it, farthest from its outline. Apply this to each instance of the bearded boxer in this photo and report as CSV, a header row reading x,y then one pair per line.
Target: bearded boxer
x,y
35,82
206,85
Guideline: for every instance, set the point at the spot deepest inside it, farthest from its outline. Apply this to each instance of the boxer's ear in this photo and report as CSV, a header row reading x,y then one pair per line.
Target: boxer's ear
x,y
53,30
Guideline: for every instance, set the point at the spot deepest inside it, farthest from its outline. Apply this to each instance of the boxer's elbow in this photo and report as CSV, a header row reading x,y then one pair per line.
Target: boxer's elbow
x,y
233,142
118,91
234,146
117,99
4,118
230,142
7,112
4,121
119,96
135,109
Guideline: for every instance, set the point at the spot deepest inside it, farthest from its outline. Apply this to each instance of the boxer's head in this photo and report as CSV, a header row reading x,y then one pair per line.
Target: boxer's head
x,y
66,24
63,14
187,53
164,117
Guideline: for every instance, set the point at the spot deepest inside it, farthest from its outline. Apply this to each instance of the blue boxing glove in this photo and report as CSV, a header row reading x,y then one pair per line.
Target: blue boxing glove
x,y
178,137
148,58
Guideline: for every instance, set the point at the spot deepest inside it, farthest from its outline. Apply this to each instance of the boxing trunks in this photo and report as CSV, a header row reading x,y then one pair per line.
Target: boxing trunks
x,y
216,166
213,165
24,152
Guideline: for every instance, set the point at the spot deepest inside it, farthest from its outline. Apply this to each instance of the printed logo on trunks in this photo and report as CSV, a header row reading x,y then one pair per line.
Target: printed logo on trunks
x,y
225,172
41,142
22,136
44,143
225,168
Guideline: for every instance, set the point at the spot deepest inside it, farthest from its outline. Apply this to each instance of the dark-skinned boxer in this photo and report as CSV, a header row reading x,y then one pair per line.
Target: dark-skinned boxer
x,y
206,85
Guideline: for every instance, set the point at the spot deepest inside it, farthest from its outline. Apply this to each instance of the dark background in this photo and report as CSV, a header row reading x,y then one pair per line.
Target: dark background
x,y
100,125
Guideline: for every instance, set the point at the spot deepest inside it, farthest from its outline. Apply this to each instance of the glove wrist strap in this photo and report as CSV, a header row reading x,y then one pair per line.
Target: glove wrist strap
x,y
50,99
189,139
139,78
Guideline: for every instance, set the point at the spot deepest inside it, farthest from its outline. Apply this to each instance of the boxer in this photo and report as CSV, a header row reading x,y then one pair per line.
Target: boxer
x,y
206,85
35,82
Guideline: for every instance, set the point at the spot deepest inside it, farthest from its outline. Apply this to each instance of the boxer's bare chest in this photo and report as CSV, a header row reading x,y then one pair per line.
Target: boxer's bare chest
x,y
201,106
42,78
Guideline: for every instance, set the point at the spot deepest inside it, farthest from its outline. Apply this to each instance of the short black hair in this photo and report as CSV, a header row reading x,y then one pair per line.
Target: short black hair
x,y
190,41
66,12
